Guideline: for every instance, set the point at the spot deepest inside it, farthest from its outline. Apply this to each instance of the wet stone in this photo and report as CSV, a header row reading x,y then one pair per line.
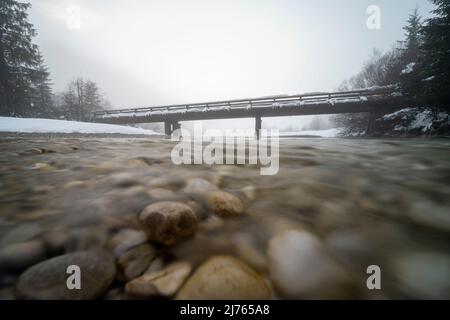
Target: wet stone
x,y
167,222
56,240
23,232
135,261
156,265
249,192
168,182
161,193
164,283
7,293
122,180
83,239
412,270
19,256
300,267
48,279
127,239
225,277
196,185
225,204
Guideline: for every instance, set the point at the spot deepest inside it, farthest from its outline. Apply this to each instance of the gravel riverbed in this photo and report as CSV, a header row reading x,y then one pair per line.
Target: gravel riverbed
x,y
140,227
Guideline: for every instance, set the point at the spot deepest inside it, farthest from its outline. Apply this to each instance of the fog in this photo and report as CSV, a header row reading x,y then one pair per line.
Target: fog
x,y
144,53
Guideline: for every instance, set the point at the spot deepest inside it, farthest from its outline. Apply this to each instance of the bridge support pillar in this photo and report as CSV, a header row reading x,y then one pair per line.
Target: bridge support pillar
x,y
168,129
373,116
175,125
258,123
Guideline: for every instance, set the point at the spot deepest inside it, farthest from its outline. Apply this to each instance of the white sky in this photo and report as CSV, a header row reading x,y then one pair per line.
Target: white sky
x,y
144,53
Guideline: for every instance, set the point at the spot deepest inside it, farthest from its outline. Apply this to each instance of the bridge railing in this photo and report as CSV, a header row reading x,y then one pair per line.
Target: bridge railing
x,y
274,101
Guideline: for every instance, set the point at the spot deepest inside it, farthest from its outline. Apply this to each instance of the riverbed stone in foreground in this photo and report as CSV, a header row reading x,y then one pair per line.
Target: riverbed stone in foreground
x,y
167,222
225,204
127,239
135,261
47,280
164,283
225,277
300,267
19,256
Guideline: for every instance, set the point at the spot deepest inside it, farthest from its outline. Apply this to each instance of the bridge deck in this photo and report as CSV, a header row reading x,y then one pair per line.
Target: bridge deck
x,y
367,100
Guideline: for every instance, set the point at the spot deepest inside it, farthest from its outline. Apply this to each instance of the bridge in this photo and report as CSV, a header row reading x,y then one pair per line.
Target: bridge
x,y
375,100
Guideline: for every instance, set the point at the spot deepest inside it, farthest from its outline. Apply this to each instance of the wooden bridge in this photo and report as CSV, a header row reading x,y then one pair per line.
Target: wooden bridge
x,y
377,101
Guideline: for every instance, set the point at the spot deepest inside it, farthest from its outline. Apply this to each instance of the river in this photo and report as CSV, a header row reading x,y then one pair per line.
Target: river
x,y
336,207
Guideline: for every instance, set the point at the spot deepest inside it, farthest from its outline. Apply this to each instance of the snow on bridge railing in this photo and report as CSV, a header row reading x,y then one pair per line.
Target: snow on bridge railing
x,y
360,95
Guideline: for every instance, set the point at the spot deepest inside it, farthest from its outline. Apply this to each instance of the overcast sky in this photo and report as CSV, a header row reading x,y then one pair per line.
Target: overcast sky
x,y
144,53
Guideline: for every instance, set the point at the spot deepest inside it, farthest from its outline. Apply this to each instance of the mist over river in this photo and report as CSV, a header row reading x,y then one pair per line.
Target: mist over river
x,y
335,207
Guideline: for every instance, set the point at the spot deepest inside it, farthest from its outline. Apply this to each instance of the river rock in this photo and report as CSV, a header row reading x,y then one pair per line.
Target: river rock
x,y
164,283
7,293
19,256
161,193
225,204
249,192
212,223
167,222
300,267
168,182
122,180
56,240
127,239
423,275
157,264
21,233
198,185
47,280
135,261
225,277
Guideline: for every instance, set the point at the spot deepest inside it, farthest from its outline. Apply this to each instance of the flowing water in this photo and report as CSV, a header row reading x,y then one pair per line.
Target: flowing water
x,y
362,201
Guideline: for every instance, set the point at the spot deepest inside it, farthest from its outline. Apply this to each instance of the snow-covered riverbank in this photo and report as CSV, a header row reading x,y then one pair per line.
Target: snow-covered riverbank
x,y
413,122
29,125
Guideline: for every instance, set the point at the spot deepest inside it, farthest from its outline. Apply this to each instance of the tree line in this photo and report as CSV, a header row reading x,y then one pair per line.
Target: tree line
x,y
25,85
419,65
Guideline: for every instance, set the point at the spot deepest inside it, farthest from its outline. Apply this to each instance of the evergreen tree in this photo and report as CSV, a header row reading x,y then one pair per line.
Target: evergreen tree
x,y
413,38
411,53
434,63
22,72
42,101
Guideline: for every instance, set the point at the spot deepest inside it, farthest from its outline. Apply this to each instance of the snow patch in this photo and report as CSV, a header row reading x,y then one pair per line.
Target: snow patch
x,y
415,119
409,68
30,125
423,121
329,133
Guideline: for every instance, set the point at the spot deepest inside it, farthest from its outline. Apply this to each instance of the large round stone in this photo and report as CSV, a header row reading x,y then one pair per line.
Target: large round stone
x,y
167,222
225,277
48,279
301,268
225,204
